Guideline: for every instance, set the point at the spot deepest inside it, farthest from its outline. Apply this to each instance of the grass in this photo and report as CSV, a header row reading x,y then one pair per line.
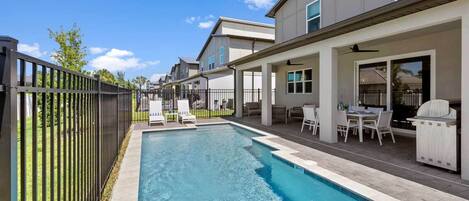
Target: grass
x,y
107,192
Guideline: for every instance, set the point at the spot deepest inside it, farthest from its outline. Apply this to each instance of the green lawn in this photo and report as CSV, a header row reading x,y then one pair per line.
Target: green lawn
x,y
39,160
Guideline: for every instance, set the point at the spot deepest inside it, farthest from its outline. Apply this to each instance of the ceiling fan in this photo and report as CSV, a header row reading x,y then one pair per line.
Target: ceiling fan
x,y
289,63
356,49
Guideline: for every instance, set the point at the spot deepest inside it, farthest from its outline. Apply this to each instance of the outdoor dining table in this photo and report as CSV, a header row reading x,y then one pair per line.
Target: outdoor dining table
x,y
361,115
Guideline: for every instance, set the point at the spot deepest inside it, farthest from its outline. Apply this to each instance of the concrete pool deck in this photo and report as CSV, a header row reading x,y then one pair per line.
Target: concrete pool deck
x,y
340,170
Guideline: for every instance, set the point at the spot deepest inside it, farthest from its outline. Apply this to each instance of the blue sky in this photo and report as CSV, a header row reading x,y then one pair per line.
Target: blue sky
x,y
139,37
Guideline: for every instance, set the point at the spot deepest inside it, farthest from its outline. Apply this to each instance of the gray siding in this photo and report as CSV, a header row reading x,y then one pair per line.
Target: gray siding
x,y
214,49
291,18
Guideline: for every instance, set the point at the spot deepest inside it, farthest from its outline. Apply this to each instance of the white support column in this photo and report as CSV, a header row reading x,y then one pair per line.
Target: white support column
x,y
267,94
328,94
465,97
239,90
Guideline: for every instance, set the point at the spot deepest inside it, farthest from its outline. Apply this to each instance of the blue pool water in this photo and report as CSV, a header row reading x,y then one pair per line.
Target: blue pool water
x,y
223,163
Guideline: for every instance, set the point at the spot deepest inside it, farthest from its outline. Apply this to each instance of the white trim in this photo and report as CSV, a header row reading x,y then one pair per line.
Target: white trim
x,y
319,16
388,59
302,81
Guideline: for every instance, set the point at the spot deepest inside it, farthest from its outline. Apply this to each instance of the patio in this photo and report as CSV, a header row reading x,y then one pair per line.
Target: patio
x,y
396,159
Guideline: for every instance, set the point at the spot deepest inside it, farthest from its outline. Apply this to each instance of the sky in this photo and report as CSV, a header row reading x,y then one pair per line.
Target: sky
x,y
139,37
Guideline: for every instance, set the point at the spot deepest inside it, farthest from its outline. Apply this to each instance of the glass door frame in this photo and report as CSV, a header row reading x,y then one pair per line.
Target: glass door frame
x,y
388,60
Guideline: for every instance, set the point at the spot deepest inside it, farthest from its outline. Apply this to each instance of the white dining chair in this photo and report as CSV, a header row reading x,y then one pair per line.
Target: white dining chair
x,y
357,108
375,110
344,124
309,118
382,126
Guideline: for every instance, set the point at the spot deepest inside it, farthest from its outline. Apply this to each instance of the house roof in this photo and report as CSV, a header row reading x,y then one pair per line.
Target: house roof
x,y
379,15
275,8
189,60
227,19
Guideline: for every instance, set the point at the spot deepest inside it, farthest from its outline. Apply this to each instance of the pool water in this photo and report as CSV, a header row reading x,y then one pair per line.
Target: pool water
x,y
223,163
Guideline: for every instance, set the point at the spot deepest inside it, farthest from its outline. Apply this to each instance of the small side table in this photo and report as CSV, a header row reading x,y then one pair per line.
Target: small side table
x,y
167,114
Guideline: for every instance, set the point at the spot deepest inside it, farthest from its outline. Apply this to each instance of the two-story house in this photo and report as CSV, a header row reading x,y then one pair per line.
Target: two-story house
x,y
391,54
230,39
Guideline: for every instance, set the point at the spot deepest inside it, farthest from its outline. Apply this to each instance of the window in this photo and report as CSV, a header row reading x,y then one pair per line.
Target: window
x,y
300,81
201,66
211,62
222,55
313,16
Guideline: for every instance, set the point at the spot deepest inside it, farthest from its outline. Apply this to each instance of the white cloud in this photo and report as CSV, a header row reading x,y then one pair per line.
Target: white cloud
x,y
32,50
203,22
259,4
206,25
156,77
120,60
191,20
97,50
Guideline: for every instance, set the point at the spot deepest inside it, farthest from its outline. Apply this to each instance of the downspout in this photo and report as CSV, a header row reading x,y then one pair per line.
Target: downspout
x,y
234,88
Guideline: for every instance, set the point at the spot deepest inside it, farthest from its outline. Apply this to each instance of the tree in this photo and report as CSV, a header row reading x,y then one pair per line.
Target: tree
x,y
71,53
140,81
121,79
106,76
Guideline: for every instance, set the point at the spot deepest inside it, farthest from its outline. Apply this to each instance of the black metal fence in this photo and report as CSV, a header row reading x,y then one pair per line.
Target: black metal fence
x,y
66,149
203,103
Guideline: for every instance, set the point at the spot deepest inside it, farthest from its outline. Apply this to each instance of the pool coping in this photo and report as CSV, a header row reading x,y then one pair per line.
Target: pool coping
x,y
127,185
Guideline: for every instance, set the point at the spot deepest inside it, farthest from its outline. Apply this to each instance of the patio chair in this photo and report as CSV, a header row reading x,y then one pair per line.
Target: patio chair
x,y
184,112
253,108
375,110
309,119
297,112
357,108
344,124
155,114
382,126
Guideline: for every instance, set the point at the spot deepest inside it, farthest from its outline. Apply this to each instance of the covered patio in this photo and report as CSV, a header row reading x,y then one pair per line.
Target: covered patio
x,y
409,60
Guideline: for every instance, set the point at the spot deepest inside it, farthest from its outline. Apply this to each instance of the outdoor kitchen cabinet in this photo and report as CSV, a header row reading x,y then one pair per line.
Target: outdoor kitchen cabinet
x,y
437,140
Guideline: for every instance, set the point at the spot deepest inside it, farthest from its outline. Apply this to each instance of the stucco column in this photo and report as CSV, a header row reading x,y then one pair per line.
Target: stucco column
x,y
328,94
465,97
267,94
239,89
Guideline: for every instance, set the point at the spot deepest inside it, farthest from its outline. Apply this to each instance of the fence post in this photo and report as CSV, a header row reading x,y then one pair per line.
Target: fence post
x,y
99,135
258,95
117,117
8,125
209,103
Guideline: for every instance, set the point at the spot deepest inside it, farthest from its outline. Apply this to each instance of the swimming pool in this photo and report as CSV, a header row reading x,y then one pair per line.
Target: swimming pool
x,y
222,162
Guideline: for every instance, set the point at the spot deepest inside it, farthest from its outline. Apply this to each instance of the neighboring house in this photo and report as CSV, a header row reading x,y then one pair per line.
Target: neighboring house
x,y
187,67
229,40
422,42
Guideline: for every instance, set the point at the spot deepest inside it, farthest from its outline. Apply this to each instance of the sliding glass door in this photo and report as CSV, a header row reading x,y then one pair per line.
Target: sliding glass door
x,y
410,84
408,81
373,85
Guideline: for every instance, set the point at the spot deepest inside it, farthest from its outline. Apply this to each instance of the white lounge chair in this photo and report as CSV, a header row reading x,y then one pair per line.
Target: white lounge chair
x,y
382,126
184,112
155,113
309,119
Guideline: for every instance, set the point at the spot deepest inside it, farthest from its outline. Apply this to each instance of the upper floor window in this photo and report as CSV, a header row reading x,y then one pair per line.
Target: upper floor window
x,y
201,66
211,62
222,55
300,81
313,16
